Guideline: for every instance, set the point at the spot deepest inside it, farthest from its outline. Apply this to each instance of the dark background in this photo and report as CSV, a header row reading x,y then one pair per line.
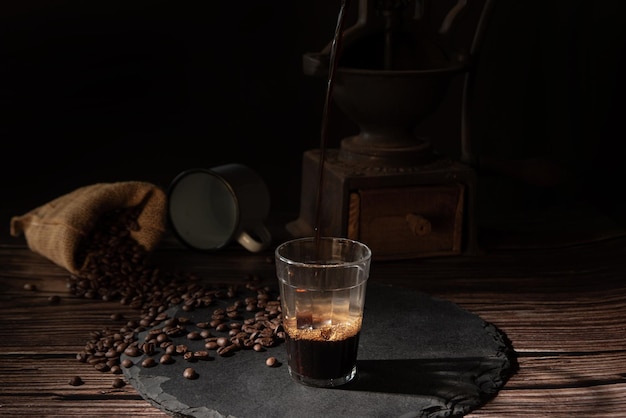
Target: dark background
x,y
142,90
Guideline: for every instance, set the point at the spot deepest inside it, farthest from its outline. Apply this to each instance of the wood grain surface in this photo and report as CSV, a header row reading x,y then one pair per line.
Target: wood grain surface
x,y
563,308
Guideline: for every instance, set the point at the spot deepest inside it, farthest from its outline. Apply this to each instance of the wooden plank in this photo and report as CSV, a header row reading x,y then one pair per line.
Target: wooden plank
x,y
564,310
592,401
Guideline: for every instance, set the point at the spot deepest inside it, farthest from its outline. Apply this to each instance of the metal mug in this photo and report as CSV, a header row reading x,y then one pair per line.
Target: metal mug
x,y
210,208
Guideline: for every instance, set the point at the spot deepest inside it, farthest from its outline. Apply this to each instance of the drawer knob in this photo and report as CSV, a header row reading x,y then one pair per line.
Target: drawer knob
x,y
418,225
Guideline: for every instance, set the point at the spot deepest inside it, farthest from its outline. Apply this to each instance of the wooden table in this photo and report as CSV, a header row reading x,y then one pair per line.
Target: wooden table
x,y
563,307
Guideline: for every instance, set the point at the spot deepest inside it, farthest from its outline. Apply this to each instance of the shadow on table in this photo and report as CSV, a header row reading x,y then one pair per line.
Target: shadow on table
x,y
460,382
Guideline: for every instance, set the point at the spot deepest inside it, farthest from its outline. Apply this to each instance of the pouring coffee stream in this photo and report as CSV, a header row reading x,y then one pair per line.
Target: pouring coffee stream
x,y
334,58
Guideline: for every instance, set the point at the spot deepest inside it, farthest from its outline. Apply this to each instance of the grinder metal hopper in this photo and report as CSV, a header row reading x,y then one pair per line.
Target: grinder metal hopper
x,y
385,185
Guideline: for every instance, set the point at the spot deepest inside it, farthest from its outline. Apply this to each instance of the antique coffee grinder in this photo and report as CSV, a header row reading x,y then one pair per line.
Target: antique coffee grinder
x,y
386,186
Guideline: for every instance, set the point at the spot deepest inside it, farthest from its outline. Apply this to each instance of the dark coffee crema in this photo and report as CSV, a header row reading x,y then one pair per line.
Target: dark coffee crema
x,y
335,332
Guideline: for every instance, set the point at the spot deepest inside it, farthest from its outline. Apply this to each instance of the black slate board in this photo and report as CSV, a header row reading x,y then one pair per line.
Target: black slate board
x,y
419,356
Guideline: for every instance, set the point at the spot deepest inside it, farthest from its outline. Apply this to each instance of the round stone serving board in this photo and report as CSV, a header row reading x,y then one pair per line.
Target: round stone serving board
x,y
418,356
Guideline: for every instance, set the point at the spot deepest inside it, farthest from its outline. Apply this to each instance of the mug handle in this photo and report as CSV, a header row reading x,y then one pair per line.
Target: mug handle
x,y
251,243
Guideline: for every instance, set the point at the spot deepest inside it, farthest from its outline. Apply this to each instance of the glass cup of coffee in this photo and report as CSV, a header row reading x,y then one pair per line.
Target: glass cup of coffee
x,y
322,288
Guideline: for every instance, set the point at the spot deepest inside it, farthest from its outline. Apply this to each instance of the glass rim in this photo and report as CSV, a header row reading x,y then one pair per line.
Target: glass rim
x,y
367,254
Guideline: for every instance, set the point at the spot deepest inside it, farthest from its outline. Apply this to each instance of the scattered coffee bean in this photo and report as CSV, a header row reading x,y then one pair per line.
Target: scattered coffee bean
x,y
190,373
226,351
202,355
166,359
271,362
211,345
54,299
102,367
118,383
148,348
76,381
117,316
30,287
123,271
148,362
132,351
194,335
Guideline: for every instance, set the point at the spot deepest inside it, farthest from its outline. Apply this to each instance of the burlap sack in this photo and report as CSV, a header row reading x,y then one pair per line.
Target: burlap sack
x,y
56,229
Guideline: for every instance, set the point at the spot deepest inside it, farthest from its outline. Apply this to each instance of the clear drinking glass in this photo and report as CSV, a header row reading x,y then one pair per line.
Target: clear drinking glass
x,y
322,287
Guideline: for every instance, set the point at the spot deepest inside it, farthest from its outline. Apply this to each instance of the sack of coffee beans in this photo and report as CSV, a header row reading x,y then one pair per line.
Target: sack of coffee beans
x,y
57,229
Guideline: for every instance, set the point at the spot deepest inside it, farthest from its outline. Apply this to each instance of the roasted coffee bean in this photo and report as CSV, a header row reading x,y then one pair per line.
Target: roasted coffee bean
x,y
202,355
265,341
96,359
176,331
132,351
117,316
238,342
30,287
163,316
149,348
211,345
226,351
241,335
166,359
127,363
271,362
190,373
54,299
194,335
148,362
171,322
76,381
233,315
118,383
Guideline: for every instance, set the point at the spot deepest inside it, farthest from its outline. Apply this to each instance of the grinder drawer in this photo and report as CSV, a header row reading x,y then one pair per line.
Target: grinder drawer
x,y
408,222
